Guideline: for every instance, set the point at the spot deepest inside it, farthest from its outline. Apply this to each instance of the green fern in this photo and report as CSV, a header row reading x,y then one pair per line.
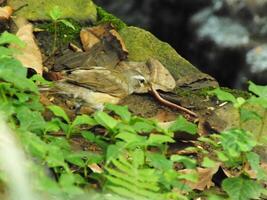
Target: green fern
x,y
131,181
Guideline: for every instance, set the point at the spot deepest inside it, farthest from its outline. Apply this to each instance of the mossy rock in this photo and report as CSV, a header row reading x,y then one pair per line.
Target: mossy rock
x,y
142,45
39,9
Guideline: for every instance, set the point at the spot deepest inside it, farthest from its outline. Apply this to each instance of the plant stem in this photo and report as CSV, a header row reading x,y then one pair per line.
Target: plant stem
x,y
55,38
262,125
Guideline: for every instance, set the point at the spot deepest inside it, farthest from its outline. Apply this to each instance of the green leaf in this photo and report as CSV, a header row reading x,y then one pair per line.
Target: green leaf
x,y
181,124
51,126
258,100
67,182
55,13
138,157
215,197
222,95
222,157
8,38
66,179
91,137
239,102
236,141
83,120
113,151
208,163
240,188
158,161
7,52
76,159
189,163
259,90
105,120
30,120
143,127
67,23
131,138
9,67
59,112
246,115
55,157
254,161
156,139
122,111
40,81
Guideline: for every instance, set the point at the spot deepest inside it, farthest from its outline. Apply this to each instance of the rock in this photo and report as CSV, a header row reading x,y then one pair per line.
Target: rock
x,y
142,45
39,10
224,32
256,60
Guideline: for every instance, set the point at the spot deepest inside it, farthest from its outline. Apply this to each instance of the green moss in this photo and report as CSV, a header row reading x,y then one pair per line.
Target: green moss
x,y
142,45
64,34
105,17
203,92
39,9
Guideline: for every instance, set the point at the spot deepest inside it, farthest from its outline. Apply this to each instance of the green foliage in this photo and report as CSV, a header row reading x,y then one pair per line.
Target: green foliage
x,y
246,107
56,15
133,152
181,124
241,188
62,30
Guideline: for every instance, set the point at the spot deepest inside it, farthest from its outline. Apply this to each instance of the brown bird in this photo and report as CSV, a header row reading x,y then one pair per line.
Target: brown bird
x,y
99,85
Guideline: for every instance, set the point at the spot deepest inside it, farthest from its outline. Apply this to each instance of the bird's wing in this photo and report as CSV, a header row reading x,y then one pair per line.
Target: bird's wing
x,y
101,80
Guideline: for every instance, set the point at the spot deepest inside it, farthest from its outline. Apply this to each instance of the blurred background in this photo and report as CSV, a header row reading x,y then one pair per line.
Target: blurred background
x,y
224,38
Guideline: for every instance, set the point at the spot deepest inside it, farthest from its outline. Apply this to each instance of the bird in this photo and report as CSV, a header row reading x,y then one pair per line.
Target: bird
x,y
97,85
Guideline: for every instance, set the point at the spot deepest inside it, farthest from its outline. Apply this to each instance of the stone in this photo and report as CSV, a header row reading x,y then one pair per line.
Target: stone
x,y
39,10
143,45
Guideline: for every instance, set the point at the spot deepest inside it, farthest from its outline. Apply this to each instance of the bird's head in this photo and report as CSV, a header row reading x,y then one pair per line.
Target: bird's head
x,y
137,82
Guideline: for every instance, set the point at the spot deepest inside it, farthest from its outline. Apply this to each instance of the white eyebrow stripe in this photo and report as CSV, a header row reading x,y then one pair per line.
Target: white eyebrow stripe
x,y
139,77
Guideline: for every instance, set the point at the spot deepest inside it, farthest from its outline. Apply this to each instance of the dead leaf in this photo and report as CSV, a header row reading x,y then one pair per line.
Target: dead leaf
x,y
107,35
88,39
5,12
204,177
30,55
120,41
160,77
95,168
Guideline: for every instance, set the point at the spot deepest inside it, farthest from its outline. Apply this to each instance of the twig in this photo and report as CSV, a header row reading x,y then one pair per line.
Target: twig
x,y
170,104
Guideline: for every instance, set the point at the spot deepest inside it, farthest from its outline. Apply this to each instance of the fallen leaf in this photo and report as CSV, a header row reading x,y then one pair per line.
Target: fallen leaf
x,y
30,55
5,12
160,77
204,177
120,42
88,39
95,168
107,35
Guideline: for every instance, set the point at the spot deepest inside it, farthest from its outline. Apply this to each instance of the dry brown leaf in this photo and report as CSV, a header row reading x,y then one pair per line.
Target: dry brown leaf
x,y
107,35
117,36
160,77
95,168
88,39
5,12
30,56
204,177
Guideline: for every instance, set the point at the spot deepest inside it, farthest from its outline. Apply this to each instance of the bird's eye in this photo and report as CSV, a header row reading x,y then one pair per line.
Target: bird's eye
x,y
142,81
